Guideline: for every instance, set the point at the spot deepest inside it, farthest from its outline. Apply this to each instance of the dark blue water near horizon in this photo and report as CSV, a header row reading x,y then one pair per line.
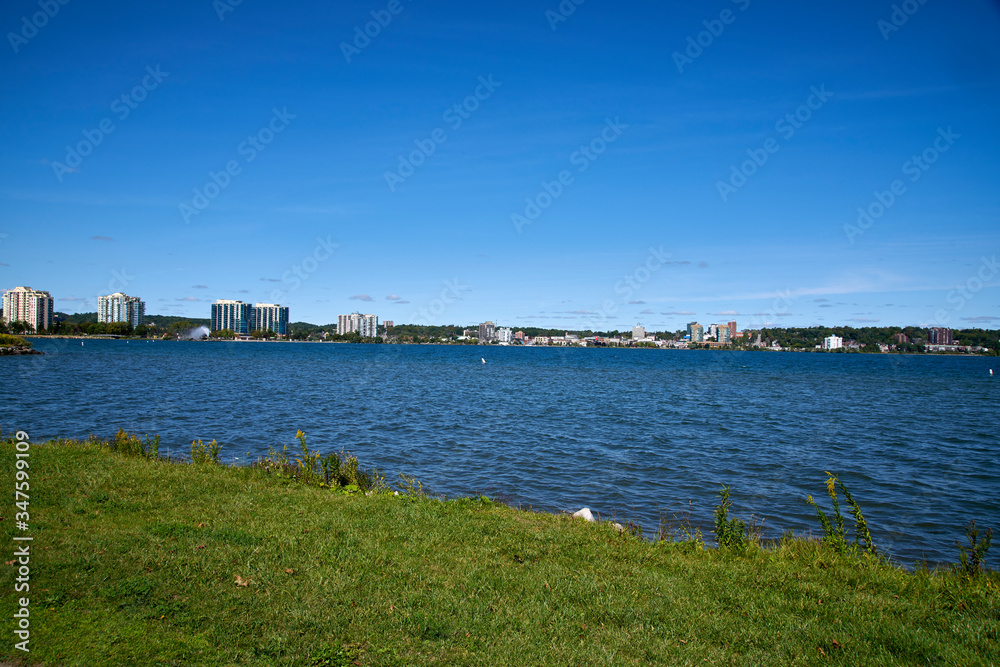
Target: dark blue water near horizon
x,y
632,434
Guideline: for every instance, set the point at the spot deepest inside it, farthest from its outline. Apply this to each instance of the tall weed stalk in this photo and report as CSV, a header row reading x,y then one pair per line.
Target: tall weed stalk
x,y
834,534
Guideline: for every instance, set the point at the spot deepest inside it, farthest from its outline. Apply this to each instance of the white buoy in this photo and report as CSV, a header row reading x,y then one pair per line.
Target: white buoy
x,y
991,371
484,361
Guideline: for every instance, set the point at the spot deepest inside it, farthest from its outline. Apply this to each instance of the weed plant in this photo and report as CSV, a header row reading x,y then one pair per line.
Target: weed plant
x,y
834,534
202,454
970,559
341,471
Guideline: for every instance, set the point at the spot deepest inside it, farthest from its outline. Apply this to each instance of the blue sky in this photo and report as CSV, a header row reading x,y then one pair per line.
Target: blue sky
x,y
674,180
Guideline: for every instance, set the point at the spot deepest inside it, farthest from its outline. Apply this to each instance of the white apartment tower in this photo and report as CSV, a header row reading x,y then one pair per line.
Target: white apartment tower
x,y
119,307
833,343
23,304
364,325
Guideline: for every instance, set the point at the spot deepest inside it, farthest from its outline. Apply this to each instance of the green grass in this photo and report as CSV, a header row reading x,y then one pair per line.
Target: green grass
x,y
136,561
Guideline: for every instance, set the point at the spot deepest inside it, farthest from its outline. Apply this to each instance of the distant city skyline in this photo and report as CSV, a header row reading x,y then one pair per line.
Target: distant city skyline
x,y
783,165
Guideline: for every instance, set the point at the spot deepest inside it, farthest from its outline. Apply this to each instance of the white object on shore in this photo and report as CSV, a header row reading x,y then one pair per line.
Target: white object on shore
x,y
585,513
617,526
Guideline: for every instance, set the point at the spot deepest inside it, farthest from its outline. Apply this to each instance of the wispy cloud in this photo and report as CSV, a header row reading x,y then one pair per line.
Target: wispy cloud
x,y
101,238
361,297
678,312
393,297
400,302
637,302
199,286
188,298
862,320
270,280
981,319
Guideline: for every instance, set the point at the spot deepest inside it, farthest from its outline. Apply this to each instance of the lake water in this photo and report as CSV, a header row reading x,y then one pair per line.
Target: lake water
x,y
632,434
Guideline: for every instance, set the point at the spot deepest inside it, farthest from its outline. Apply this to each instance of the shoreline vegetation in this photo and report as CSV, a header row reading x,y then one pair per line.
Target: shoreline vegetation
x,y
379,341
308,559
856,340
12,345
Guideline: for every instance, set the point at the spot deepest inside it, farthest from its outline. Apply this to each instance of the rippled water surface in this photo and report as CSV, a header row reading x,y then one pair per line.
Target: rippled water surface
x,y
633,434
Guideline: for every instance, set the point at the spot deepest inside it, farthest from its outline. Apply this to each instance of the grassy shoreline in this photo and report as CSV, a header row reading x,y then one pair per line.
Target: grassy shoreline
x,y
138,560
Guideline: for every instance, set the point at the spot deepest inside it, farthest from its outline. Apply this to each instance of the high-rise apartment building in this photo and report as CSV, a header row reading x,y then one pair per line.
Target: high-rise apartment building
x,y
119,307
697,333
732,330
364,325
833,343
487,332
243,319
269,317
638,332
232,315
505,335
722,335
33,307
940,336
689,325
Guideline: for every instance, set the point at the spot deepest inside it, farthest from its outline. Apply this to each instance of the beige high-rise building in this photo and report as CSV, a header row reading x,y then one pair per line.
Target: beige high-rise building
x,y
23,304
